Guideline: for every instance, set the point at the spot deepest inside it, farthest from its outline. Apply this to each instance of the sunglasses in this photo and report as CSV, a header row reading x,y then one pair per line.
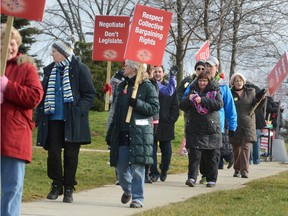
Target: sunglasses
x,y
198,69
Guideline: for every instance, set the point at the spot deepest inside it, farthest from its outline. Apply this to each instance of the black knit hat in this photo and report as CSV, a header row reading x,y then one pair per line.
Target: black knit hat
x,y
200,62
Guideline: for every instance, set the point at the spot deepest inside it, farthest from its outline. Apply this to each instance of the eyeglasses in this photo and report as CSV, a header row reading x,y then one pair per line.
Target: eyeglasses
x,y
199,68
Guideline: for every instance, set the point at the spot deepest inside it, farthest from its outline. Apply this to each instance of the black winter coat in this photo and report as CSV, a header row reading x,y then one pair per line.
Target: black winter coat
x,y
204,131
169,113
76,113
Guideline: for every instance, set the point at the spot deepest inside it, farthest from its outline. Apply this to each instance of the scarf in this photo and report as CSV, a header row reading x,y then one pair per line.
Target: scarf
x,y
49,103
202,110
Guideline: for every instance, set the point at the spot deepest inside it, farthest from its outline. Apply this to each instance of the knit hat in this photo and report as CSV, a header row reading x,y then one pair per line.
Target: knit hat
x,y
212,61
65,47
234,76
119,75
200,62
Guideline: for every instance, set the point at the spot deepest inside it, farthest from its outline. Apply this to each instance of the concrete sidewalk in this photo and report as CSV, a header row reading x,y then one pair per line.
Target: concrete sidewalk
x,y
106,200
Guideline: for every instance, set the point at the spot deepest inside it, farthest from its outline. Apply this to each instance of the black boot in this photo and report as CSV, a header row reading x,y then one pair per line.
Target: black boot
x,y
68,194
56,190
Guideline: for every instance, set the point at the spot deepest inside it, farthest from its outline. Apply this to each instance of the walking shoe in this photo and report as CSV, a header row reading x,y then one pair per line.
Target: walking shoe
x,y
117,183
68,194
56,190
230,164
190,182
135,204
125,198
163,176
154,178
211,184
244,175
148,180
236,174
203,180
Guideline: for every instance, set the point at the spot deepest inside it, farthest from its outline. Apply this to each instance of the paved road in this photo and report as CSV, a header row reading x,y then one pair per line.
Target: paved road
x,y
105,201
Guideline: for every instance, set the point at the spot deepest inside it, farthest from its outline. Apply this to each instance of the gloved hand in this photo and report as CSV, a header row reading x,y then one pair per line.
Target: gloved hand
x,y
132,102
107,87
174,70
231,133
260,94
3,83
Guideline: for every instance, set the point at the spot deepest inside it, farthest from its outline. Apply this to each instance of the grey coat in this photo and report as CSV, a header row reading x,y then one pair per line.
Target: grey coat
x,y
246,125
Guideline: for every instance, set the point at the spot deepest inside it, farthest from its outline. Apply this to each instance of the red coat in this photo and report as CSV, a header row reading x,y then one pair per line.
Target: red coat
x,y
23,93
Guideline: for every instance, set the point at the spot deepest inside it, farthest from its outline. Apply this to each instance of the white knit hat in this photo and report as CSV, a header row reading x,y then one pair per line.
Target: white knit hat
x,y
234,76
65,47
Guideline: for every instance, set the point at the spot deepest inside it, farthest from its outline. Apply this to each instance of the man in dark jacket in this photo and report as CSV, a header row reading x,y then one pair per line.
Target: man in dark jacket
x,y
169,113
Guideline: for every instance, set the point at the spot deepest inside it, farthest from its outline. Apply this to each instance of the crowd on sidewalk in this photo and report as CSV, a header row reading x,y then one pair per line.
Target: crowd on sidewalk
x,y
223,122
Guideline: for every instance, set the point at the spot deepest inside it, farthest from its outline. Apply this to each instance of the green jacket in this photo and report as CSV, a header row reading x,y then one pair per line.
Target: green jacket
x,y
140,126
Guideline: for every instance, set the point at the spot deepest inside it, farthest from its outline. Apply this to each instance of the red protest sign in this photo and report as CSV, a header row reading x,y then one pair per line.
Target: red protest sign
x,y
110,38
25,9
204,52
278,74
148,35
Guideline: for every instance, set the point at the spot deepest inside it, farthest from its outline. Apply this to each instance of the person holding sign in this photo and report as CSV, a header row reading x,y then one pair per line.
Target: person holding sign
x,y
21,91
131,144
245,99
63,116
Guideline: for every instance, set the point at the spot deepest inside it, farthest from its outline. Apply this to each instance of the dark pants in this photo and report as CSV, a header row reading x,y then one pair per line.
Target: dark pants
x,y
166,154
54,161
227,158
211,158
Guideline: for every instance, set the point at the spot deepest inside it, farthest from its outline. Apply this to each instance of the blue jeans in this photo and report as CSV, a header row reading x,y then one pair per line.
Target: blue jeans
x,y
255,149
12,179
166,154
131,176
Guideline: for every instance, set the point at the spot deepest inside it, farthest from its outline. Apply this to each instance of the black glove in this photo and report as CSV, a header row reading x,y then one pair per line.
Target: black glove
x,y
174,70
231,133
132,102
260,94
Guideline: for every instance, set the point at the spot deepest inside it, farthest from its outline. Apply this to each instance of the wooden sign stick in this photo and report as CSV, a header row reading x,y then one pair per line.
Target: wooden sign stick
x,y
107,94
4,51
134,93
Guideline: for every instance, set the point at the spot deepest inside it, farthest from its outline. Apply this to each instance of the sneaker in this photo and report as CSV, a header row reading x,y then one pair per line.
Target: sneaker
x,y
203,180
211,184
68,194
236,174
244,175
154,178
125,198
190,182
135,204
56,190
163,176
148,180
117,183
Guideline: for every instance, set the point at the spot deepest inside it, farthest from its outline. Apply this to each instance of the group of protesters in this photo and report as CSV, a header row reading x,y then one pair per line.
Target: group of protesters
x,y
219,124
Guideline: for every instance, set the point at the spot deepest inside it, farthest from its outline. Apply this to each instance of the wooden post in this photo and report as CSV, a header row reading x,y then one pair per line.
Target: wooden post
x,y
5,44
107,95
134,93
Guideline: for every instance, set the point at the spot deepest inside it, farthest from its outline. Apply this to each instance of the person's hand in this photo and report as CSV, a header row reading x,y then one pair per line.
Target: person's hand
x,y
261,94
3,83
107,87
132,102
231,133
174,70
